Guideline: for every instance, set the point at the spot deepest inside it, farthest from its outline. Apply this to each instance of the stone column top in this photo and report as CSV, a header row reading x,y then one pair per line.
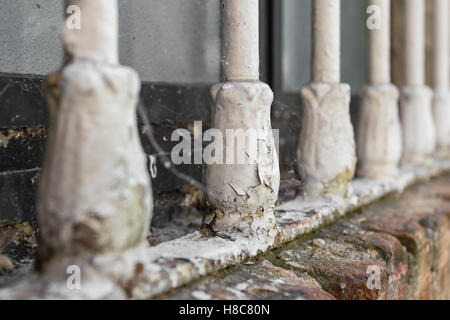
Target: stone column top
x,y
240,40
326,41
379,43
414,43
96,37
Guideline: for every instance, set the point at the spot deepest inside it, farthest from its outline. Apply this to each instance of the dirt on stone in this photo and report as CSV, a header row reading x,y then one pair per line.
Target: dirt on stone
x,y
17,245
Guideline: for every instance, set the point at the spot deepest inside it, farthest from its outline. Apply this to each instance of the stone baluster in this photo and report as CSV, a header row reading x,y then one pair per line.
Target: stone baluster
x,y
440,75
243,186
326,152
379,136
95,199
419,137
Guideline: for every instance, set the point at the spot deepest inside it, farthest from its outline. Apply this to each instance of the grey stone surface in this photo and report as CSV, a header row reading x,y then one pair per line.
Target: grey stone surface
x,y
164,40
30,36
172,40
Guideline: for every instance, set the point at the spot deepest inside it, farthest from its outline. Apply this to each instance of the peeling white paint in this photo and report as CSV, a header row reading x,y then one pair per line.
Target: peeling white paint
x,y
201,295
244,194
242,286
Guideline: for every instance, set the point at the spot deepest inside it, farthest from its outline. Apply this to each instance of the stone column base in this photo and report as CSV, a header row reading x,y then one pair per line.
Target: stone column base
x,y
94,194
379,135
441,113
326,152
244,193
419,136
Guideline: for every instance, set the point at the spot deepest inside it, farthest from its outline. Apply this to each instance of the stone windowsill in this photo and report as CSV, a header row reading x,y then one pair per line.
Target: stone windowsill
x,y
176,263
172,264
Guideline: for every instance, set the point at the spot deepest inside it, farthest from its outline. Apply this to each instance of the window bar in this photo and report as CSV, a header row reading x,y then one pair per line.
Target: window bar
x,y
441,99
242,185
95,198
379,137
419,137
326,151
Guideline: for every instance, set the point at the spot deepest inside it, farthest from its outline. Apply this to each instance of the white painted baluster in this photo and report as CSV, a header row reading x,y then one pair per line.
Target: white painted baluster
x,y
326,152
244,194
379,137
95,198
441,100
419,137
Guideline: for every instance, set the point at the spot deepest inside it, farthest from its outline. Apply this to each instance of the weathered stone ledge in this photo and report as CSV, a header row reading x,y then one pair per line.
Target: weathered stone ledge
x,y
393,249
301,216
176,263
157,270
